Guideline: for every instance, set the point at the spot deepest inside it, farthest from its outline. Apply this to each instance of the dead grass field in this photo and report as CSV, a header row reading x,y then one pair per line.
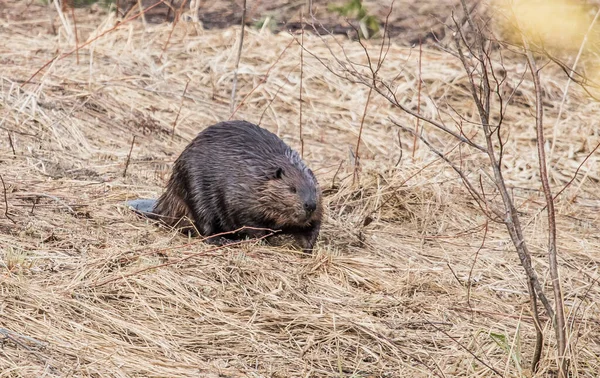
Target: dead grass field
x,y
83,288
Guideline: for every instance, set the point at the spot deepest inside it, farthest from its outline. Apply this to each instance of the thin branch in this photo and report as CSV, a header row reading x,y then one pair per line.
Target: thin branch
x,y
539,336
300,90
483,114
16,338
10,142
576,172
129,156
179,110
512,221
569,183
560,325
382,56
6,201
237,61
74,29
419,79
175,21
390,96
13,335
360,130
469,282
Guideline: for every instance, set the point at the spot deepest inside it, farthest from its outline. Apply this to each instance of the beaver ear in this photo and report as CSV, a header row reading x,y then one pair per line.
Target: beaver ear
x,y
278,173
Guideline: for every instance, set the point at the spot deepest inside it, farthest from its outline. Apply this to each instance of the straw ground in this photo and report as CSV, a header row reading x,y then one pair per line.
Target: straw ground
x,y
408,278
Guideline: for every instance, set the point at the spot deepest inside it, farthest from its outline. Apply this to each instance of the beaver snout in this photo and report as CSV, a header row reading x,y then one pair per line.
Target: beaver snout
x,y
310,206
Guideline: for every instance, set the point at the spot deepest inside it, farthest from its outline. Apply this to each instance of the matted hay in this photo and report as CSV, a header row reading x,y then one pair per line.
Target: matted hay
x,y
384,295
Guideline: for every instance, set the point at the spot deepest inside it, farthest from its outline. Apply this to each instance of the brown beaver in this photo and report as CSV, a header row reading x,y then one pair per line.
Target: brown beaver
x,y
236,174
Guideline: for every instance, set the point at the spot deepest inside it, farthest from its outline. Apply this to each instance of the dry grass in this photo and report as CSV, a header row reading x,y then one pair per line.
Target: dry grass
x,y
384,295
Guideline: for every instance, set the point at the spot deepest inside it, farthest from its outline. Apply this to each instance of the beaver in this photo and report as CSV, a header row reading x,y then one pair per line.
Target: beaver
x,y
235,174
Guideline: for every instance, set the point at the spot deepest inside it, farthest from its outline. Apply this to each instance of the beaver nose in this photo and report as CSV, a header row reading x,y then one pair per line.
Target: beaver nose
x,y
310,206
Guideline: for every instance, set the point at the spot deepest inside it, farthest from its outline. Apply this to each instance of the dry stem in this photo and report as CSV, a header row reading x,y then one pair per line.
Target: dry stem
x,y
6,201
300,89
179,110
420,80
360,130
72,7
237,60
10,142
128,157
559,320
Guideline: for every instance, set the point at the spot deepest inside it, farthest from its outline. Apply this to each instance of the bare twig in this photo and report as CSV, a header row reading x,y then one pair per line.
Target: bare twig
x,y
374,72
178,110
10,142
129,155
569,182
175,21
388,93
559,320
6,201
576,171
418,99
70,5
300,90
362,123
237,60
142,13
539,336
20,339
469,282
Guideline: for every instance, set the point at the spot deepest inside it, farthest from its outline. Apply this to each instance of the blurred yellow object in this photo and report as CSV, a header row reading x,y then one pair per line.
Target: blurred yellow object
x,y
556,24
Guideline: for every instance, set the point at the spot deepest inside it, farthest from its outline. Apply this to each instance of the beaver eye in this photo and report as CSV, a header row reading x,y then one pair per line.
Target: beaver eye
x,y
292,189
278,173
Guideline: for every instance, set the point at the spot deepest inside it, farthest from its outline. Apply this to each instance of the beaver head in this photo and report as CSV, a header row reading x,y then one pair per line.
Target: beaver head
x,y
290,196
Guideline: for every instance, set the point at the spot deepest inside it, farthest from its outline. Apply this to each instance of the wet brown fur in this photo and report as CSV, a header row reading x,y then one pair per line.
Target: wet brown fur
x,y
236,174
